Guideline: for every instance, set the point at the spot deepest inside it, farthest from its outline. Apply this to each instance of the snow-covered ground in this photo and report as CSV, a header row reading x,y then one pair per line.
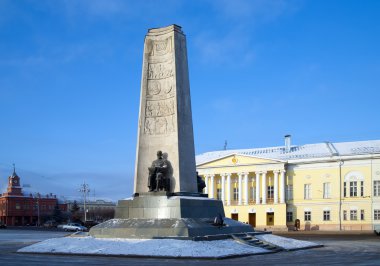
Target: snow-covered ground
x,y
160,247
143,247
286,243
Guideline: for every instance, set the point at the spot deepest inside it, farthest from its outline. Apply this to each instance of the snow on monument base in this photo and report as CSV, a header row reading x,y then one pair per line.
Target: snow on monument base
x,y
172,217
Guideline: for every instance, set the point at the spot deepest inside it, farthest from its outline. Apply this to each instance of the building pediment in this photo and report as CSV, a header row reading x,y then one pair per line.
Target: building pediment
x,y
237,160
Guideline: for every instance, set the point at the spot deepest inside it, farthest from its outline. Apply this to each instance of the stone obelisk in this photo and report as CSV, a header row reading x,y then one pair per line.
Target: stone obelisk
x,y
165,124
165,120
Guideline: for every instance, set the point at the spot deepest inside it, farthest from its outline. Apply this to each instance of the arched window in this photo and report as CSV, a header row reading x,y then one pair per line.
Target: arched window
x,y
353,184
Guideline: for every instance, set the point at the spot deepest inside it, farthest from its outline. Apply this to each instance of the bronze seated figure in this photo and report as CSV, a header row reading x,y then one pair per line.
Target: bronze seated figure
x,y
159,174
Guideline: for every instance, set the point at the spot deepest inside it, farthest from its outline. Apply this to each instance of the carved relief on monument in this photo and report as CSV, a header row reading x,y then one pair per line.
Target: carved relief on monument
x,y
159,125
168,86
159,117
159,108
160,70
154,87
159,47
158,89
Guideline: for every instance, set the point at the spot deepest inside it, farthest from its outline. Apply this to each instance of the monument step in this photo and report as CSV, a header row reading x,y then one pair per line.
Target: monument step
x,y
170,194
249,239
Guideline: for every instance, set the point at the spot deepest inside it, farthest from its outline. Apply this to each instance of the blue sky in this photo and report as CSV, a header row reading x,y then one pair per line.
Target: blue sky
x,y
70,81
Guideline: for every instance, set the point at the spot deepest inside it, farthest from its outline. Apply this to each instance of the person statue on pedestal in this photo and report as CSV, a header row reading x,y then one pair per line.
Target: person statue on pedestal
x,y
158,174
200,183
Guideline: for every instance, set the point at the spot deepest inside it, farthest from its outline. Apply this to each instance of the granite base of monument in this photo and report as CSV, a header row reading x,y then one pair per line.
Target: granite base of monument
x,y
167,217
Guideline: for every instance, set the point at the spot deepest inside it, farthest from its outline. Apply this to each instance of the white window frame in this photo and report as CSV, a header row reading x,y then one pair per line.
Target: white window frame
x,y
353,215
307,216
307,191
361,188
219,194
270,192
376,214
236,193
326,215
289,192
253,193
327,190
376,188
353,188
345,189
289,215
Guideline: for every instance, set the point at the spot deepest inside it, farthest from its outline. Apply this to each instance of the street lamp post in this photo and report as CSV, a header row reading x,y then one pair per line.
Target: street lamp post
x,y
84,188
37,195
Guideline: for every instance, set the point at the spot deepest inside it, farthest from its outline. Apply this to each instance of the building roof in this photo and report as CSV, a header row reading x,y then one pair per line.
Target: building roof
x,y
307,151
14,172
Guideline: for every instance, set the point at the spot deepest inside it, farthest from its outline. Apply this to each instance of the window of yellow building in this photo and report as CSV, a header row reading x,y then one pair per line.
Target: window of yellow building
x,y
289,217
307,215
307,191
353,215
270,192
345,189
326,190
353,189
253,194
376,188
289,192
326,215
236,193
362,215
218,193
345,215
376,215
361,188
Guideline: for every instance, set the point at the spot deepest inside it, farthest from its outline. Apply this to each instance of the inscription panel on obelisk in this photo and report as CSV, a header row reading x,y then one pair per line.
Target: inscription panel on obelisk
x,y
165,121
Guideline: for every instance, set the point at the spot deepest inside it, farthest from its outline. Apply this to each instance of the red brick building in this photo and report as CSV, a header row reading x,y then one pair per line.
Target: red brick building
x,y
18,209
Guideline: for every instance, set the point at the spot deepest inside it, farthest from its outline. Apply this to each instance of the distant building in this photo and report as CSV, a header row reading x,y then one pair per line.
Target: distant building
x,y
97,210
323,186
17,209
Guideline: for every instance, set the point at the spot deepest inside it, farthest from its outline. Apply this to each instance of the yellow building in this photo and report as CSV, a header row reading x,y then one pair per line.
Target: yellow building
x,y
326,186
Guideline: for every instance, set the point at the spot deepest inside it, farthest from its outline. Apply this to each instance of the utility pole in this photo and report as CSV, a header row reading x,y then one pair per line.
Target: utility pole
x,y
38,196
84,188
340,194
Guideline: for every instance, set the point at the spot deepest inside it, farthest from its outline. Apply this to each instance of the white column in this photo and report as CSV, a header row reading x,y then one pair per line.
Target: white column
x,y
211,187
257,187
206,182
228,189
252,189
246,199
282,186
223,177
240,188
264,188
275,186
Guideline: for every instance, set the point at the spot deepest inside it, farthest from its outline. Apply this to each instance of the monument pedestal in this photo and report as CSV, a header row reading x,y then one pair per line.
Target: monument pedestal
x,y
151,216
